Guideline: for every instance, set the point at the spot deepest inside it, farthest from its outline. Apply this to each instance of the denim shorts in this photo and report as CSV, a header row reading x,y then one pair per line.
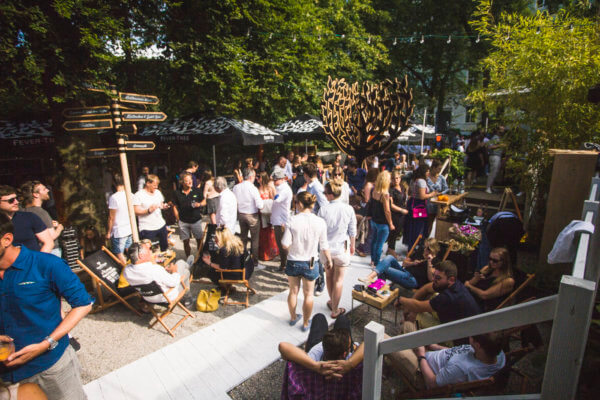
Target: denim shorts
x,y
302,269
120,244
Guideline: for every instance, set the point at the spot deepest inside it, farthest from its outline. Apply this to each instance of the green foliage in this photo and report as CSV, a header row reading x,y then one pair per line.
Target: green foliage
x,y
457,164
540,68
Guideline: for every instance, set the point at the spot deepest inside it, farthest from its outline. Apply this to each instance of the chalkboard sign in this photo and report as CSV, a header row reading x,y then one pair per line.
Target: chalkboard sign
x,y
104,267
210,245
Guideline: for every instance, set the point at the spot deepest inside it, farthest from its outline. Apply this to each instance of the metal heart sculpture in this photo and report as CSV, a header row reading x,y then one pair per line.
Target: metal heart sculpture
x,y
365,122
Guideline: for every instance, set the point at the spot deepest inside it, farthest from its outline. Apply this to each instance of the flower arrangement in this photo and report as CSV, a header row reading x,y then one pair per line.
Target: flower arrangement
x,y
464,238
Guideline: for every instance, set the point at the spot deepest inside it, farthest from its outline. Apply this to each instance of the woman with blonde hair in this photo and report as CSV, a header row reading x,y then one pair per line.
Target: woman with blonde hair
x,y
338,173
398,197
303,236
379,211
494,282
267,246
229,256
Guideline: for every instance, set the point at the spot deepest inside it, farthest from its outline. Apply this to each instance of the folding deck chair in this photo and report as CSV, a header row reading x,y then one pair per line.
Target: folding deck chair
x,y
154,289
242,281
105,268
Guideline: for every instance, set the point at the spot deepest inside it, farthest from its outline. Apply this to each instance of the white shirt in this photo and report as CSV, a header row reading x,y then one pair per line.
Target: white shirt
x,y
280,212
341,225
315,187
248,198
141,274
458,364
121,226
305,233
289,171
227,210
145,199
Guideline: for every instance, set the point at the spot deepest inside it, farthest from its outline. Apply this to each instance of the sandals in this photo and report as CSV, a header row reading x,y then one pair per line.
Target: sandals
x,y
341,311
306,328
295,321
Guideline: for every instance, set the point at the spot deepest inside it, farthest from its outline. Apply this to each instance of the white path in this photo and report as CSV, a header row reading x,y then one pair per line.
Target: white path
x,y
212,361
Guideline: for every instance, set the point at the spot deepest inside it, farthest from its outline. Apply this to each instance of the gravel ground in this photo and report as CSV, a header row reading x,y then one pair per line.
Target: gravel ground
x,y
115,337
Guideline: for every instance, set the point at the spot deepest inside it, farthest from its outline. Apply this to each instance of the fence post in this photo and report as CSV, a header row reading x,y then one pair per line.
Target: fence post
x,y
568,338
373,362
592,265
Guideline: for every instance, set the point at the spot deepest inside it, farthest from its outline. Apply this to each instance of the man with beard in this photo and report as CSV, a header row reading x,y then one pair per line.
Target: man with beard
x,y
453,302
34,193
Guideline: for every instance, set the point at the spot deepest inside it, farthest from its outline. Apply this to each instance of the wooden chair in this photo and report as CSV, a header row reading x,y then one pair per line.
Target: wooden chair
x,y
511,298
105,268
495,383
301,383
154,289
229,282
414,246
205,244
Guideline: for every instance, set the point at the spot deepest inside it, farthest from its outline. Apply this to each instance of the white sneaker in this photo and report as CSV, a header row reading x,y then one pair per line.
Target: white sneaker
x,y
190,260
259,267
488,190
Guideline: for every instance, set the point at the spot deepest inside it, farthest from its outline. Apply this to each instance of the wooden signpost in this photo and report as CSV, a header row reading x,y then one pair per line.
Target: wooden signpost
x,y
143,116
88,125
118,117
83,112
137,145
102,152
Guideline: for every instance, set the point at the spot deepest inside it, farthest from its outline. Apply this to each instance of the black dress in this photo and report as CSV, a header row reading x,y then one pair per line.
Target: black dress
x,y
399,200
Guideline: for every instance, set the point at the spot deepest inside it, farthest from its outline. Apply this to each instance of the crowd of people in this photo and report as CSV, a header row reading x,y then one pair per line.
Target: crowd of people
x,y
314,218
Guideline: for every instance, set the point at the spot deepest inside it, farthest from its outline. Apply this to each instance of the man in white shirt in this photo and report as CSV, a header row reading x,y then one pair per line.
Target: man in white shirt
x,y
141,181
281,166
280,213
144,270
341,236
289,169
119,227
147,204
227,210
248,204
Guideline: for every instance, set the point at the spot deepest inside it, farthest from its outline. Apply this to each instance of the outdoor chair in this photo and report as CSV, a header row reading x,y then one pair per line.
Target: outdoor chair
x,y
154,289
302,383
105,268
494,384
414,246
229,282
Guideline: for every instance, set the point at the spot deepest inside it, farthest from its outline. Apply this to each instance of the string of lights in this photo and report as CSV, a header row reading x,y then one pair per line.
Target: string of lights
x,y
420,38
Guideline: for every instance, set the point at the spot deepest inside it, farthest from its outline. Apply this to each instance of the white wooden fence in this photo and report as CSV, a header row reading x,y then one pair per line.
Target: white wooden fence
x,y
571,310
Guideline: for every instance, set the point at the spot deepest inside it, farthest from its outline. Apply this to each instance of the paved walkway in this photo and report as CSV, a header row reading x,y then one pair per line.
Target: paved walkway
x,y
212,361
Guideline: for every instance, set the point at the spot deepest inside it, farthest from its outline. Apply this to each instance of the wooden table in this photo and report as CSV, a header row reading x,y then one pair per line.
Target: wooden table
x,y
444,206
377,302
164,258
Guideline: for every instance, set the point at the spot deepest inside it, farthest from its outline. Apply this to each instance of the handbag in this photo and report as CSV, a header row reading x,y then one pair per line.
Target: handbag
x,y
208,301
419,211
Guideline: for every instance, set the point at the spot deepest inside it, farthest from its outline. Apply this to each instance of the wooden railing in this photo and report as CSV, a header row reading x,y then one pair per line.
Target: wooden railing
x,y
570,309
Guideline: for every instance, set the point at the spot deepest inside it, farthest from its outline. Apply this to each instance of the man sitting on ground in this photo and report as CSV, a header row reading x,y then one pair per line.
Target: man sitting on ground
x,y
453,302
326,352
144,270
480,359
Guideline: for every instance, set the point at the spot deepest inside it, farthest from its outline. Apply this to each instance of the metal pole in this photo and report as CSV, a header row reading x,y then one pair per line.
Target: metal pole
x,y
306,146
423,130
214,163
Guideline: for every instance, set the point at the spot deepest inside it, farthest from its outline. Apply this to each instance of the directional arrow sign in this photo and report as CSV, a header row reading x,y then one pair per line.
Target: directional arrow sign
x,y
102,152
139,145
134,116
87,125
138,98
99,111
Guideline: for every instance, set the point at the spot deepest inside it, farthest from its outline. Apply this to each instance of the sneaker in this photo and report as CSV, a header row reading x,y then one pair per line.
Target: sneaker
x,y
318,291
488,190
74,343
259,267
188,302
190,260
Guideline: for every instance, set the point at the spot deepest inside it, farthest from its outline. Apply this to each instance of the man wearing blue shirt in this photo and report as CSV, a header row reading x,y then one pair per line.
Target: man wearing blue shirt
x,y
31,286
355,177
